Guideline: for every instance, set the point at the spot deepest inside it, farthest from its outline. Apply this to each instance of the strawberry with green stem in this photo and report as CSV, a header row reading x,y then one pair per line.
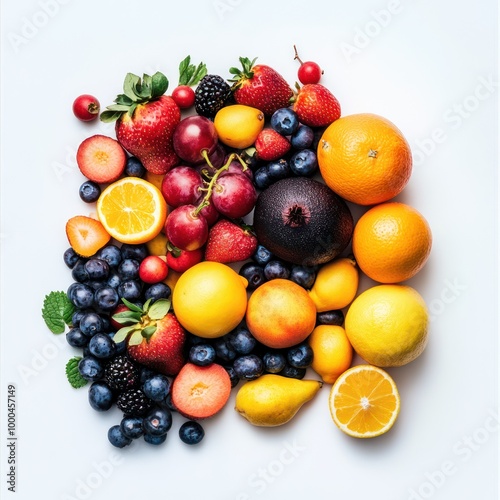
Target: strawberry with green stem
x,y
315,105
189,75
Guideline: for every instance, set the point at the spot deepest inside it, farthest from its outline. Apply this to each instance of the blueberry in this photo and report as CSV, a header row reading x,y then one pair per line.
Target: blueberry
x,y
146,373
106,322
89,191
248,367
100,396
91,323
279,169
70,257
91,368
157,421
302,138
114,280
76,338
262,255
232,376
102,346
137,252
106,298
155,440
77,316
157,291
117,438
111,254
202,354
242,341
224,350
131,427
193,339
134,168
276,269
335,317
79,273
129,269
285,121
303,276
318,134
261,178
97,269
253,273
121,347
130,290
168,402
81,295
156,387
274,362
304,163
293,372
191,432
300,356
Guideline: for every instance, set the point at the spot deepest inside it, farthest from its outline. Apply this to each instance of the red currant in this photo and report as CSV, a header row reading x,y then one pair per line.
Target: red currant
x,y
309,71
184,96
86,107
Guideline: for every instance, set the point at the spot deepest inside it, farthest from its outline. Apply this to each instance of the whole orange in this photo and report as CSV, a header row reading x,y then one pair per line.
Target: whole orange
x,y
391,242
280,314
364,158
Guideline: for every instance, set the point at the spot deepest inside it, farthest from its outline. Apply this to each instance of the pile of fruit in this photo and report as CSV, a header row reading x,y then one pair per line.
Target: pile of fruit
x,y
216,255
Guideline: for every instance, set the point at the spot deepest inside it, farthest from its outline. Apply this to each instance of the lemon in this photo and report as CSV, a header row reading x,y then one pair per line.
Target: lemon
x,y
336,285
332,352
210,299
387,325
238,125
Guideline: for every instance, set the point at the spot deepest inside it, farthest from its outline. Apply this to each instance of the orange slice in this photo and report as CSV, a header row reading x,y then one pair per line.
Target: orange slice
x,y
364,401
132,210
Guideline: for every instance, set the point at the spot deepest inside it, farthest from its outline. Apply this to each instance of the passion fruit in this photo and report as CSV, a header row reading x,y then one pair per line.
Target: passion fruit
x,y
302,221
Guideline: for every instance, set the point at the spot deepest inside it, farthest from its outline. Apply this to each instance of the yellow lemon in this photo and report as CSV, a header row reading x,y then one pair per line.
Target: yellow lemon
x,y
210,299
336,285
238,125
387,325
332,352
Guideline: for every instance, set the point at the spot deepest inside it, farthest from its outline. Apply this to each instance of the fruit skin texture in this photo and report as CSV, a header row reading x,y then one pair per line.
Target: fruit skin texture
x,y
364,158
387,325
260,86
238,125
86,235
228,242
336,285
301,221
218,304
273,400
316,106
391,242
332,352
280,314
200,392
270,145
364,402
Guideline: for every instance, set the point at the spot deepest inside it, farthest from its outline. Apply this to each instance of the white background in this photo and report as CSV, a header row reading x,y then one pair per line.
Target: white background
x,y
431,68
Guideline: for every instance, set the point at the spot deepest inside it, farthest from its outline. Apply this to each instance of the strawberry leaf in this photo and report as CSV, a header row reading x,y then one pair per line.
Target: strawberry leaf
x,y
147,332
127,317
132,306
159,84
57,311
73,374
123,333
136,338
110,116
159,309
129,86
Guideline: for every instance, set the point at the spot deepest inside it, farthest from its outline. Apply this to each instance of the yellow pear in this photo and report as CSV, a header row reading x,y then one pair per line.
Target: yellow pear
x,y
273,400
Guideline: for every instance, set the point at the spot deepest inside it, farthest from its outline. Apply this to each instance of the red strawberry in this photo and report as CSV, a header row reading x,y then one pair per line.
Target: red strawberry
x,y
146,120
86,235
155,337
228,242
270,145
260,86
316,106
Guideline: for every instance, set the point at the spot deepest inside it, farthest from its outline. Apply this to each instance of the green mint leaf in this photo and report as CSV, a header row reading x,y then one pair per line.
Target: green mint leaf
x,y
136,338
57,311
183,67
159,309
73,375
159,84
129,85
199,73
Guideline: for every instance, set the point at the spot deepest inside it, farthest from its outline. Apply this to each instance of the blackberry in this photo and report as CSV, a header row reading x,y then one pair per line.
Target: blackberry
x,y
134,402
122,373
211,95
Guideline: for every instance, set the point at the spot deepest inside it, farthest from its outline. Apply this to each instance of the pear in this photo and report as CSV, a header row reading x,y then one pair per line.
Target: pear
x,y
273,400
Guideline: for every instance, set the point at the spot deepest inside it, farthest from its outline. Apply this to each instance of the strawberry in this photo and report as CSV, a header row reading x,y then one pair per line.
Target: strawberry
x,y
145,121
155,337
270,145
86,235
316,106
260,87
229,242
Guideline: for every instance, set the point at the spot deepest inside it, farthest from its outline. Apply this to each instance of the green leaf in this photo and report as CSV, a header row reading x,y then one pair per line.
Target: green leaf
x,y
57,311
159,84
127,317
159,309
73,375
148,332
123,333
132,109
110,116
122,108
129,85
183,67
132,306
136,338
124,100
